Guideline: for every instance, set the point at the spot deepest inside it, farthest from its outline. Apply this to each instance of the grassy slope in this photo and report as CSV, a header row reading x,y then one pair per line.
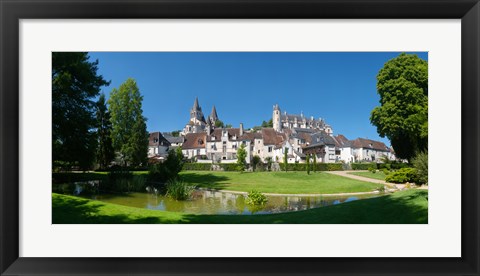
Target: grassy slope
x,y
409,206
277,182
378,175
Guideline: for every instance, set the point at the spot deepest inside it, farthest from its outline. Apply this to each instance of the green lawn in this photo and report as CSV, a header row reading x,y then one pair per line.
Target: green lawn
x,y
405,207
277,182
378,175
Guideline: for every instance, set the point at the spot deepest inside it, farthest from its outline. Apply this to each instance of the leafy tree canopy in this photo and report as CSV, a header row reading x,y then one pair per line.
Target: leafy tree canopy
x,y
129,129
105,152
75,84
402,116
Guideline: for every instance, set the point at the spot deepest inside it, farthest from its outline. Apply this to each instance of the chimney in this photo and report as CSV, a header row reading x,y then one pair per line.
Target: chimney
x,y
241,129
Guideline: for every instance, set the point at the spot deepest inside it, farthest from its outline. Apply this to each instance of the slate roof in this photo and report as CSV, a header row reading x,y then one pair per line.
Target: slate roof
x,y
156,139
321,138
172,139
194,140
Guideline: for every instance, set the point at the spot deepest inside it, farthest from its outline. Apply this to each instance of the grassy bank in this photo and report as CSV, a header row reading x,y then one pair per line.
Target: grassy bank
x,y
409,206
377,175
278,182
265,182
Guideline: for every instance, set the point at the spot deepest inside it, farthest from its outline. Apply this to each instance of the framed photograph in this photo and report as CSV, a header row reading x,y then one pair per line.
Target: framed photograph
x,y
239,137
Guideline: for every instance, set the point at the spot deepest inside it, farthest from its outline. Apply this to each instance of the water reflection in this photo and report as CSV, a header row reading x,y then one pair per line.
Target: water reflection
x,y
213,202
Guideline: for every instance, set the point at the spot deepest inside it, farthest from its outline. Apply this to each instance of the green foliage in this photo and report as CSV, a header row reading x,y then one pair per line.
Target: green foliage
x,y
315,163
175,133
255,161
229,167
197,166
267,124
178,190
169,169
319,167
285,160
269,163
105,152
403,175
129,129
420,162
228,126
219,124
308,163
241,155
402,116
256,198
75,84
363,166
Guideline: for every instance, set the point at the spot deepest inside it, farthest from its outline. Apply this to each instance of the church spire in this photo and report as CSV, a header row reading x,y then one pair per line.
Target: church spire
x,y
195,104
214,115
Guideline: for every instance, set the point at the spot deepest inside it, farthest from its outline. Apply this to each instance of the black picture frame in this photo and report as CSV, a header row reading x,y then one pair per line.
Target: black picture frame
x,y
12,11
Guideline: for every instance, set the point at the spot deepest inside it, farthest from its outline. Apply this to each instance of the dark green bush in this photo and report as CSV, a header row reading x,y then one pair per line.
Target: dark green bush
x,y
318,167
363,166
403,175
169,169
420,162
197,166
229,167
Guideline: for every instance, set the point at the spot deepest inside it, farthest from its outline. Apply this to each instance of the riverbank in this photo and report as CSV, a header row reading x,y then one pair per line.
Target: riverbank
x,y
404,207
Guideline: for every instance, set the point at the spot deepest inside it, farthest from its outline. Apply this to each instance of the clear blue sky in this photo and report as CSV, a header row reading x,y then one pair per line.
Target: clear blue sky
x,y
337,86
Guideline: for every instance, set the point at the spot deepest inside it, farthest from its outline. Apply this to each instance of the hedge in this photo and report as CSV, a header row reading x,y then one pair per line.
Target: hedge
x,y
197,166
379,166
363,166
229,167
320,167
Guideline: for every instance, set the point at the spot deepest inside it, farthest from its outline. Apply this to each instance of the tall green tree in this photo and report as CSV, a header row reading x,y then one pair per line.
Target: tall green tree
x,y
241,156
129,128
285,159
402,116
75,84
105,152
308,163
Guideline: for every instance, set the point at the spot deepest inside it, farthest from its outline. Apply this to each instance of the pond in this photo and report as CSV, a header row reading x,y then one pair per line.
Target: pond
x,y
207,201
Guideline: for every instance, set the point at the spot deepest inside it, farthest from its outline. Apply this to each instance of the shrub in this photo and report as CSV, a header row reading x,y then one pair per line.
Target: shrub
x,y
420,162
256,198
255,161
363,166
402,176
229,167
169,169
197,166
318,167
386,171
178,190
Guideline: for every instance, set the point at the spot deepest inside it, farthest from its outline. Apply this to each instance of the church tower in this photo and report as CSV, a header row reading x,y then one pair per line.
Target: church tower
x,y
196,114
277,125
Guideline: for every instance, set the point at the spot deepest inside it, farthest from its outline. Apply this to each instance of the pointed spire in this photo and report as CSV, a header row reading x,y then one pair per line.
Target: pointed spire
x,y
214,115
195,104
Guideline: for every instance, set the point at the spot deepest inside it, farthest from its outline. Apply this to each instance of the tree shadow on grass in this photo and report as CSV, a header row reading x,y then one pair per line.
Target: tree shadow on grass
x,y
209,180
70,210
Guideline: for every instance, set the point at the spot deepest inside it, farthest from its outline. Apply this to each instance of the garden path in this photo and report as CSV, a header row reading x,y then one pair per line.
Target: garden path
x,y
366,179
